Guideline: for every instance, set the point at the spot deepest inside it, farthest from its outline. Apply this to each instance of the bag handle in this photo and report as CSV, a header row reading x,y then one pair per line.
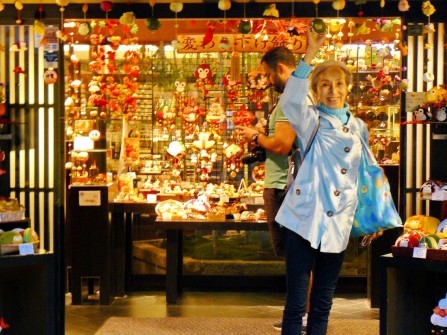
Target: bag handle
x,y
367,150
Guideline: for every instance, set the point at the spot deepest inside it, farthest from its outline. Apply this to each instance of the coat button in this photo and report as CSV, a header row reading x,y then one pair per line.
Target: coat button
x,y
345,129
337,193
343,171
330,213
297,192
347,149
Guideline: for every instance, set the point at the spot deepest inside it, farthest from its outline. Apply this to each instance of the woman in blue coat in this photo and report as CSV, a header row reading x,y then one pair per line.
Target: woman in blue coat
x,y
318,211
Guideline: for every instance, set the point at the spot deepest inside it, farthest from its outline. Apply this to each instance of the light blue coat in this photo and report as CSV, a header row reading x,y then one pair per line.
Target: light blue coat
x,y
322,201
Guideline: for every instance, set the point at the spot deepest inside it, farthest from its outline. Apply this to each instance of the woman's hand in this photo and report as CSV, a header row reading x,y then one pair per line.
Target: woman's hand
x,y
314,42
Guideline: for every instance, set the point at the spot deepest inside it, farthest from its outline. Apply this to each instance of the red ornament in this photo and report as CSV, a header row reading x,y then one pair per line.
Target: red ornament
x,y
2,109
106,6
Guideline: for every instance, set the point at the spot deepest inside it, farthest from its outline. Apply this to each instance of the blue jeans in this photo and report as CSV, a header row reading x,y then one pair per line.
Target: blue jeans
x,y
301,258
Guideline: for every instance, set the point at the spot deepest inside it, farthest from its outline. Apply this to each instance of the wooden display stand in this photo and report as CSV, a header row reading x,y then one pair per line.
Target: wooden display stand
x,y
28,294
91,235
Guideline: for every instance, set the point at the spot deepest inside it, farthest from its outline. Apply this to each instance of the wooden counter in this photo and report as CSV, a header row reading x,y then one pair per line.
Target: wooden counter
x,y
174,245
410,288
123,214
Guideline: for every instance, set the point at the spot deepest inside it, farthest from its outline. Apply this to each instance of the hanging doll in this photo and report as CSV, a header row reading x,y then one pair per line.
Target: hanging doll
x,y
203,76
180,96
192,115
232,89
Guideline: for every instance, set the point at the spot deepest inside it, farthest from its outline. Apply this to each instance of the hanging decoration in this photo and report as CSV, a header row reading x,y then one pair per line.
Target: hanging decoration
x,y
209,33
232,84
19,6
271,11
165,116
338,5
3,324
19,70
206,156
106,6
257,84
215,116
243,117
316,2
177,153
203,76
180,96
224,5
403,6
232,157
61,34
428,9
153,23
176,7
39,25
244,26
191,115
18,46
84,29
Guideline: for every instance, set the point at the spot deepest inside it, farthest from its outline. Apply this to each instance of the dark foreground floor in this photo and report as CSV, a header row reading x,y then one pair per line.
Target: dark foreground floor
x,y
87,318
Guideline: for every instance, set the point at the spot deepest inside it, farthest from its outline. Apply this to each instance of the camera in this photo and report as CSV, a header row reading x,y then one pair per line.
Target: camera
x,y
257,154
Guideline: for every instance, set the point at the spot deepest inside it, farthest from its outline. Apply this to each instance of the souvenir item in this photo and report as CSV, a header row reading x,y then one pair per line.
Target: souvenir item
x,y
203,76
439,317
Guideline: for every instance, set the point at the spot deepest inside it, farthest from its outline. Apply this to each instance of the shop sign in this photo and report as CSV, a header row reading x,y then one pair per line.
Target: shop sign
x,y
243,43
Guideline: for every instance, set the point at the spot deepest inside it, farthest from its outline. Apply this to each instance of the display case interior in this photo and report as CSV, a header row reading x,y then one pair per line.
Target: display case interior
x,y
166,109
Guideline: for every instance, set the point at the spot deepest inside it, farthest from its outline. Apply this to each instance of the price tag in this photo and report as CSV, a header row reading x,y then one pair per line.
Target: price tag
x,y
224,198
419,252
438,196
151,197
26,249
259,200
185,184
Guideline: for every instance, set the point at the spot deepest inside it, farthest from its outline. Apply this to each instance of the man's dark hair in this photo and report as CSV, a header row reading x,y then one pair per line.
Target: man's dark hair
x,y
279,55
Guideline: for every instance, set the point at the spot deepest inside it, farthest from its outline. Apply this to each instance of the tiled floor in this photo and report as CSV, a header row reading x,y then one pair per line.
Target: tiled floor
x,y
87,318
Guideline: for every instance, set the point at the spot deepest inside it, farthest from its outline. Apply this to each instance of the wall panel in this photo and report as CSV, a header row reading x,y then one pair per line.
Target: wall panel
x,y
416,138
34,144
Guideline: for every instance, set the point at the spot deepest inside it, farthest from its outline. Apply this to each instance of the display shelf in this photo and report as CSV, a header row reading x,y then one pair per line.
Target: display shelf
x,y
410,289
8,225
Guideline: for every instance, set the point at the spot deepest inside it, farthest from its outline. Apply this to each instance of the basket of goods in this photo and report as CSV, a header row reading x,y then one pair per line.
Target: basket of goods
x,y
421,231
10,240
216,213
10,210
170,209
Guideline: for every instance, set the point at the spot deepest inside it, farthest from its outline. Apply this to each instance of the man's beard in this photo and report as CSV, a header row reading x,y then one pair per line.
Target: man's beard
x,y
279,85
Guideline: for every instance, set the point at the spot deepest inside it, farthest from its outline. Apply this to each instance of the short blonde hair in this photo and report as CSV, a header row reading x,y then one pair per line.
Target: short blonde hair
x,y
320,68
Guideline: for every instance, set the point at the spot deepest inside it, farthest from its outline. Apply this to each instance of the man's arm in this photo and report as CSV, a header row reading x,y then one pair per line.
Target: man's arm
x,y
281,143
